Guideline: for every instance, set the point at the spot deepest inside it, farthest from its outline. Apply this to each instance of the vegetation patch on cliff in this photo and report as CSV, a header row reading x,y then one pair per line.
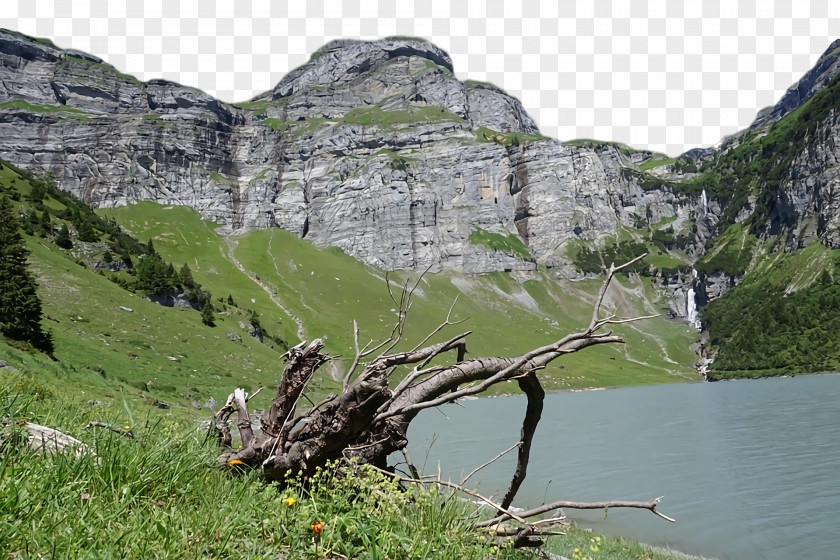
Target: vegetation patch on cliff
x,y
58,110
484,134
509,244
375,116
730,252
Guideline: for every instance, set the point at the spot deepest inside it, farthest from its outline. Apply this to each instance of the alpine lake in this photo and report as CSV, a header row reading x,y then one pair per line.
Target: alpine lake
x,y
749,469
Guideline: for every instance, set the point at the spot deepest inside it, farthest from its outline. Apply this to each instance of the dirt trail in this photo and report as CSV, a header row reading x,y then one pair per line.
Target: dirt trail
x,y
231,243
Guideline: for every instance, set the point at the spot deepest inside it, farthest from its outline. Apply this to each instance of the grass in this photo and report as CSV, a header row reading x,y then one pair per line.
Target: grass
x,y
103,66
217,177
484,134
158,352
276,124
260,107
781,318
731,252
375,116
326,290
285,279
654,162
58,110
509,244
167,350
161,496
595,144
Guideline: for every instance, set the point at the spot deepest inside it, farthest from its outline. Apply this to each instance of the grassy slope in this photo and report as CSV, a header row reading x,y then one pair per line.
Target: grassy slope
x,y
158,496
105,349
92,331
783,318
326,290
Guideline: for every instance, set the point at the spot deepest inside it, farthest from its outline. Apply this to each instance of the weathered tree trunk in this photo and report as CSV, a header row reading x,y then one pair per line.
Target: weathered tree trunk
x,y
369,419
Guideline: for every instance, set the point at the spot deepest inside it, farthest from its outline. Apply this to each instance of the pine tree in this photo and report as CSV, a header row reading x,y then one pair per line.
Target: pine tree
x,y
20,308
125,256
186,278
46,221
172,277
87,233
154,276
207,316
63,238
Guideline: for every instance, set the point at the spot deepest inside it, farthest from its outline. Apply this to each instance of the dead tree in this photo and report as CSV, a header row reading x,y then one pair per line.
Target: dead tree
x,y
369,419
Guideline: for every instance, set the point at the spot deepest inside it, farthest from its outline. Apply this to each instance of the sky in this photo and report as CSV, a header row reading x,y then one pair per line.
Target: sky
x,y
661,75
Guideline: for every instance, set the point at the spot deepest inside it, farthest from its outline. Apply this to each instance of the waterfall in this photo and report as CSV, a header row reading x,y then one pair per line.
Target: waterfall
x,y
691,314
705,202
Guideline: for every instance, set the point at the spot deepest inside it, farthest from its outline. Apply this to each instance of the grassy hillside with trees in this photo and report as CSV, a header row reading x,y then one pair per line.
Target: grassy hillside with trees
x,y
784,318
123,360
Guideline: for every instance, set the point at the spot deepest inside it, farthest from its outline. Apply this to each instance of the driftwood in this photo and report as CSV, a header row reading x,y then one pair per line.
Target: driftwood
x,y
369,419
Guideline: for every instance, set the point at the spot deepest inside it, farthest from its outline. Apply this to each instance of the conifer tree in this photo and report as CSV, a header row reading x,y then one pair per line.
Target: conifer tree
x,y
46,221
154,275
87,233
186,278
63,238
207,316
20,308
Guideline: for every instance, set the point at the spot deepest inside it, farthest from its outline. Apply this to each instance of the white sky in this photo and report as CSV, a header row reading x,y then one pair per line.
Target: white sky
x,y
664,75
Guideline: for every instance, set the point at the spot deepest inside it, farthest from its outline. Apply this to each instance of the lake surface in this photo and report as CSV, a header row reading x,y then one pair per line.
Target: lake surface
x,y
749,469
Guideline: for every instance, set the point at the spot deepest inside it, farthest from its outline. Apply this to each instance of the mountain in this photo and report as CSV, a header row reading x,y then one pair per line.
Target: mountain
x,y
377,149
364,139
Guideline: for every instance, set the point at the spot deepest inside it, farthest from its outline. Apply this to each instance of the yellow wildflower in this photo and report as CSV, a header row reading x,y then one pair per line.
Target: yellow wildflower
x,y
289,501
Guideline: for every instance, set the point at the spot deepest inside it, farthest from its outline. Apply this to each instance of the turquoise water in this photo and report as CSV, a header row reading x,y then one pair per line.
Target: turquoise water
x,y
749,469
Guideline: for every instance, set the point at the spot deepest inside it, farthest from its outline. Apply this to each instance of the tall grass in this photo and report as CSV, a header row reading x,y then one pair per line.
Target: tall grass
x,y
162,496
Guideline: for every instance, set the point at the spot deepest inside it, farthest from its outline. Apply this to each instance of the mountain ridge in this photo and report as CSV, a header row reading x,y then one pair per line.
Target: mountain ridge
x,y
375,148
414,126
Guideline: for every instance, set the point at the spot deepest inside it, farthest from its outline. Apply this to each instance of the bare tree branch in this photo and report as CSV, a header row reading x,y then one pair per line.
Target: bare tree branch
x,y
503,368
649,505
490,462
610,273
530,385
244,424
440,327
459,488
355,363
369,419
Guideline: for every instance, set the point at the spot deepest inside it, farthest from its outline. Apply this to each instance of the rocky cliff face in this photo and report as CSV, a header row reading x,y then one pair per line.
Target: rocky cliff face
x,y
376,148
373,147
818,77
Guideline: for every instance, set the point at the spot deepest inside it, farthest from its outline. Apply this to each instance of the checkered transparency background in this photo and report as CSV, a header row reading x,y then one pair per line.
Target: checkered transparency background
x,y
663,75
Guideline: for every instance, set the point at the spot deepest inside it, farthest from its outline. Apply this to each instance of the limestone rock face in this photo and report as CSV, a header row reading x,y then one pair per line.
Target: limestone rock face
x,y
373,147
808,201
376,148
